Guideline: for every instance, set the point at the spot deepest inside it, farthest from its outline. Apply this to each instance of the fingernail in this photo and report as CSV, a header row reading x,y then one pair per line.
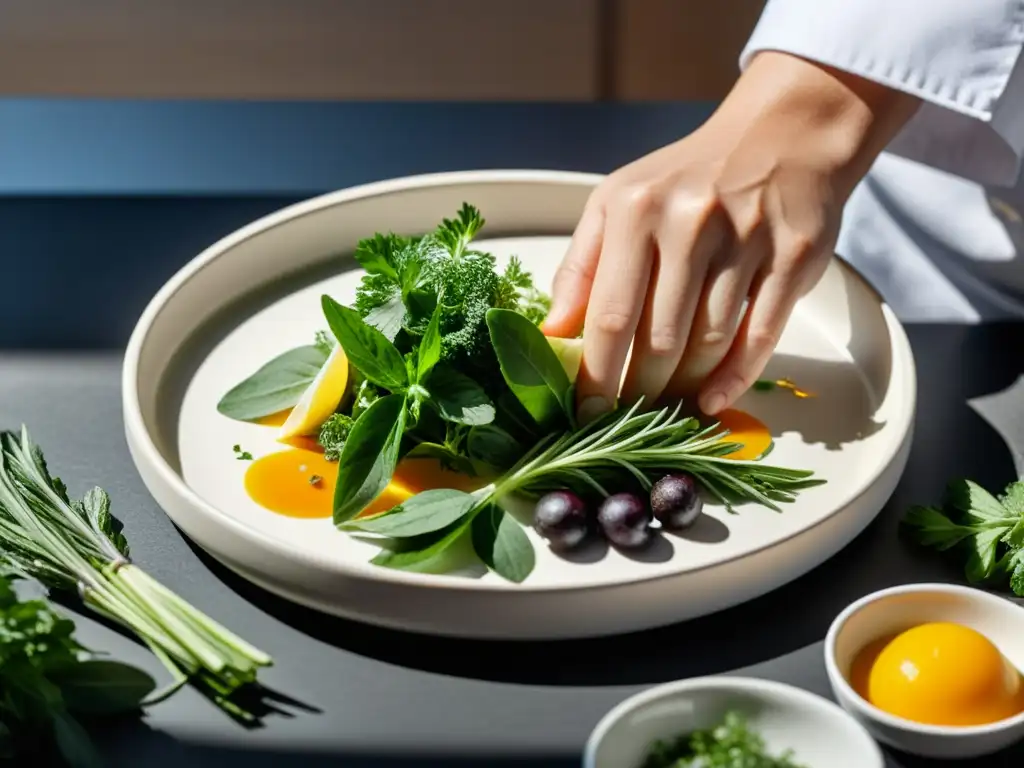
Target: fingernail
x,y
714,402
592,408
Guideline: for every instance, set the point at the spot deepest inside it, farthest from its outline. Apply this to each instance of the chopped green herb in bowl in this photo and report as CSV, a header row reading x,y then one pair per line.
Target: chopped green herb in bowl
x,y
731,744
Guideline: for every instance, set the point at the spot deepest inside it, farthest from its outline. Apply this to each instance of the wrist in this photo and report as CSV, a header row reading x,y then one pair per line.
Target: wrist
x,y
814,113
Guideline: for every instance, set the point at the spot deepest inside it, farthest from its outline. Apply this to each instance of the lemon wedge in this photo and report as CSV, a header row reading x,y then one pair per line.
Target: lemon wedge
x,y
569,353
320,399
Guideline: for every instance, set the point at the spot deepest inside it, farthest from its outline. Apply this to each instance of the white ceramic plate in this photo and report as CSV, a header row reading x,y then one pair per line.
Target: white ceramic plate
x,y
255,294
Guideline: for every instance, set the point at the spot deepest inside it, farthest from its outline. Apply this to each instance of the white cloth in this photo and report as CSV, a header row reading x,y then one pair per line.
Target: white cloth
x,y
938,223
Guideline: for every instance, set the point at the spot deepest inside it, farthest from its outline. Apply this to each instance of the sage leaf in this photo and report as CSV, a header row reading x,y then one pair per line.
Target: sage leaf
x,y
429,553
458,398
529,365
492,445
430,346
368,459
425,512
275,387
502,544
367,348
104,687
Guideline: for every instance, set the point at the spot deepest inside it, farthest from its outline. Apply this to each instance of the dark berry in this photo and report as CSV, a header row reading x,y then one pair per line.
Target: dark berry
x,y
561,518
676,501
626,520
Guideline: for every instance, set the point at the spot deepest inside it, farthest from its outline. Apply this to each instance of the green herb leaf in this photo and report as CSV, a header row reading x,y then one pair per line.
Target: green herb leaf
x,y
458,398
387,318
275,387
367,348
430,346
1017,574
971,499
934,529
73,742
369,457
375,255
103,687
502,544
493,446
1012,500
428,553
981,560
530,367
97,509
425,512
448,458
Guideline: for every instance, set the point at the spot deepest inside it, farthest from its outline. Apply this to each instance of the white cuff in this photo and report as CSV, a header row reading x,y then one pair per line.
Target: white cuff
x,y
960,56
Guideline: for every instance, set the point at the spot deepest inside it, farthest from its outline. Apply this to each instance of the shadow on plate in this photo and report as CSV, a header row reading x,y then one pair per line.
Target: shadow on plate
x,y
956,364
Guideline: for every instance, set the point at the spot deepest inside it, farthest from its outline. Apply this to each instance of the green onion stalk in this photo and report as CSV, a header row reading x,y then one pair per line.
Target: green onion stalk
x,y
78,545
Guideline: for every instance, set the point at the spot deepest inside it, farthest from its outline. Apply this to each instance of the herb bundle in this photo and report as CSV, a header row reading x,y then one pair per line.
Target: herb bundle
x,y
47,679
987,530
78,545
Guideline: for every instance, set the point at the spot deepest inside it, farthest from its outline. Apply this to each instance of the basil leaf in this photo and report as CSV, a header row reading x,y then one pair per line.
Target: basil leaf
x,y
368,459
430,552
492,445
529,365
425,512
388,317
502,544
458,398
430,346
275,387
102,687
366,347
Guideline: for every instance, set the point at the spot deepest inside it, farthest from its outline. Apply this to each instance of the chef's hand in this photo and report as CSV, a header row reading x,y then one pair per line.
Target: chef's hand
x,y
744,212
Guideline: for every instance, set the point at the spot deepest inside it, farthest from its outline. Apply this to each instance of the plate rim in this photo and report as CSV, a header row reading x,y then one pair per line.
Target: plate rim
x,y
144,447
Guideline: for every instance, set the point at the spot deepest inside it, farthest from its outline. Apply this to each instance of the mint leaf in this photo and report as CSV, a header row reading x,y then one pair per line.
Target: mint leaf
x,y
458,398
502,544
425,512
274,387
369,350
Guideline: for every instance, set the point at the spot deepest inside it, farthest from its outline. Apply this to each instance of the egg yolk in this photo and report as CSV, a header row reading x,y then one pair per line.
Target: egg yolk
x,y
939,673
743,428
299,482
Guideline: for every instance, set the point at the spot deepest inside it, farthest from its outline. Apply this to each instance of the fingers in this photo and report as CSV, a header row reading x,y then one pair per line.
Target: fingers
x,y
571,288
769,310
686,246
719,312
616,300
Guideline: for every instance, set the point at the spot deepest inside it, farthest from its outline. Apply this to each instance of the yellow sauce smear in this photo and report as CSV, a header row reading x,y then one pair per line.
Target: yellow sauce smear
x,y
282,482
938,673
797,392
745,429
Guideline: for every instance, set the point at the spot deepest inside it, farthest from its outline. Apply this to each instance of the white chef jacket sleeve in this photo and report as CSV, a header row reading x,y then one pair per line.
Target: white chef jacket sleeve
x,y
961,57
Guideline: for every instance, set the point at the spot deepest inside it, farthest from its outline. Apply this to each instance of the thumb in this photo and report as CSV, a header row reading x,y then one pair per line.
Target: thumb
x,y
574,279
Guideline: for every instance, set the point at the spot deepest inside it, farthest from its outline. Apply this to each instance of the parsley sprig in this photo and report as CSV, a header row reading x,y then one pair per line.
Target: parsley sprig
x,y
987,528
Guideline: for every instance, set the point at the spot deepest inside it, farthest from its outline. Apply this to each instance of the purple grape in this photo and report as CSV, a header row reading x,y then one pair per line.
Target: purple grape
x,y
676,501
626,520
561,518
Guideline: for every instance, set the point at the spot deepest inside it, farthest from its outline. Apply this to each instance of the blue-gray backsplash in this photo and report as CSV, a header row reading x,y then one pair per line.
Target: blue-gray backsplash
x,y
101,201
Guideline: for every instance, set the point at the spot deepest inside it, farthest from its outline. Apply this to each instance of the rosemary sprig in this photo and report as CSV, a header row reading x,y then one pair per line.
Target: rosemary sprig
x,y
78,545
649,445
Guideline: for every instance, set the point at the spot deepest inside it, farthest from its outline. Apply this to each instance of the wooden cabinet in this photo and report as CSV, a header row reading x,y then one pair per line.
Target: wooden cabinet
x,y
555,50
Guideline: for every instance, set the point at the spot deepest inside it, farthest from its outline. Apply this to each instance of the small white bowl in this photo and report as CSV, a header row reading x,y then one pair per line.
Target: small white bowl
x,y
820,734
893,610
